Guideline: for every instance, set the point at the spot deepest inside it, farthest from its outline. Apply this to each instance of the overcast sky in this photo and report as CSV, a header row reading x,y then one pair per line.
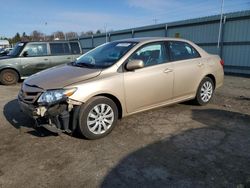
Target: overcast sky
x,y
82,15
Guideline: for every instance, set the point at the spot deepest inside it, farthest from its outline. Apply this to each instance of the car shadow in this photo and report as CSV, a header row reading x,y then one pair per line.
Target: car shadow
x,y
18,119
214,155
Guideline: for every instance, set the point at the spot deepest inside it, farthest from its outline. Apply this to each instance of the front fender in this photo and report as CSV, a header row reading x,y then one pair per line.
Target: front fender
x,y
101,86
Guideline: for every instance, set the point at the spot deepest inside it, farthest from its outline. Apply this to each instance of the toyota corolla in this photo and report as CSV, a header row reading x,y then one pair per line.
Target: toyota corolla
x,y
118,79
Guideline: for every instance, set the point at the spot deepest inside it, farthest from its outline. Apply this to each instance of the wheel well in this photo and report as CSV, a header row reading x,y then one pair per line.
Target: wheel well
x,y
116,101
19,77
213,78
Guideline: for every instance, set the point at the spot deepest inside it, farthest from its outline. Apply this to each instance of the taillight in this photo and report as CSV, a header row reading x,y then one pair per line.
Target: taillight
x,y
222,63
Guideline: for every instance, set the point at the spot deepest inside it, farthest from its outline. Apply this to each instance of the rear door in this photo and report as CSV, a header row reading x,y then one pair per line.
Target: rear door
x,y
75,50
188,68
60,53
34,58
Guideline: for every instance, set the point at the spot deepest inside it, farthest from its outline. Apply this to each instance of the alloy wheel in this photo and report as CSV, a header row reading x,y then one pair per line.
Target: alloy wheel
x,y
206,91
100,119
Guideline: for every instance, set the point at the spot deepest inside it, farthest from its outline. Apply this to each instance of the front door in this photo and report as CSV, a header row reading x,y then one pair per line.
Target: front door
x,y
151,85
34,58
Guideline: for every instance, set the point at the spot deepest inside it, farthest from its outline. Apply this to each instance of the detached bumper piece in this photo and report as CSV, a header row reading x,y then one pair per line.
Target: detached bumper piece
x,y
56,119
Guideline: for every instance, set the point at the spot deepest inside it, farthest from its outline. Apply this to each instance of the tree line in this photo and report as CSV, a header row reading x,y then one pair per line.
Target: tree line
x,y
39,36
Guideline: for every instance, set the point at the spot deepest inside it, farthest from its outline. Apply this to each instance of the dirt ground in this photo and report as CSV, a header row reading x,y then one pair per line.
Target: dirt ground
x,y
176,146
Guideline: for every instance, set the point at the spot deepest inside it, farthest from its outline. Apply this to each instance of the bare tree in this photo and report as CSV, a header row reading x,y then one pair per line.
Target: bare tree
x,y
98,31
87,33
50,37
71,35
82,34
36,36
59,35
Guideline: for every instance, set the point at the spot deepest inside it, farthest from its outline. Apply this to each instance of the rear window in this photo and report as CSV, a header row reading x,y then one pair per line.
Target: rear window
x,y
75,49
182,50
59,48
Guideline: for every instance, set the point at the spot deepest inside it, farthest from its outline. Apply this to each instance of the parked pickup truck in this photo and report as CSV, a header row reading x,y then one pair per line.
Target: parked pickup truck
x,y
28,58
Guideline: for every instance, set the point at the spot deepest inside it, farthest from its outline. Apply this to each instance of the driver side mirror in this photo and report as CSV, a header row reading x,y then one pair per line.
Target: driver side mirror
x,y
25,54
134,64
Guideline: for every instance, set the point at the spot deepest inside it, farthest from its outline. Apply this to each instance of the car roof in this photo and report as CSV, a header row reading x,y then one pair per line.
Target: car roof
x,y
54,41
145,40
151,39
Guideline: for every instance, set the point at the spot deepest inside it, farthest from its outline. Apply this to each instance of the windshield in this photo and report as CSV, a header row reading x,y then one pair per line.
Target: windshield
x,y
105,55
17,49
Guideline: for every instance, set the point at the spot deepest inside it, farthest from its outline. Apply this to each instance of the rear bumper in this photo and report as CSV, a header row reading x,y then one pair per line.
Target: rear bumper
x,y
219,77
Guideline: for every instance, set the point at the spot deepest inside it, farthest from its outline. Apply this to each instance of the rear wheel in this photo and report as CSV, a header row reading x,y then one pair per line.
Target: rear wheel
x,y
8,77
98,117
205,91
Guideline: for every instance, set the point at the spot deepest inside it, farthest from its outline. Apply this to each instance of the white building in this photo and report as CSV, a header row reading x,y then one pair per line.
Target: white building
x,y
4,43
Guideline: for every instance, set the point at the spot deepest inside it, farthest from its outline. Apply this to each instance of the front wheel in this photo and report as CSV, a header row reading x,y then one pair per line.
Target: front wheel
x,y
97,117
205,91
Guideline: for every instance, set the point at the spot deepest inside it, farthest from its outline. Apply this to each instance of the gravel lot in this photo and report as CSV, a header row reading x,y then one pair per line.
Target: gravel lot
x,y
178,146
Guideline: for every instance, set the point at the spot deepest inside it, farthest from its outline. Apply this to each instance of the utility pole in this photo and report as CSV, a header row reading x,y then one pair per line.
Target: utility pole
x,y
155,20
221,17
45,31
105,29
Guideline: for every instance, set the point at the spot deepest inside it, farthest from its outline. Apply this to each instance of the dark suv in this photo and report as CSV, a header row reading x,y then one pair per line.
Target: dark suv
x,y
28,58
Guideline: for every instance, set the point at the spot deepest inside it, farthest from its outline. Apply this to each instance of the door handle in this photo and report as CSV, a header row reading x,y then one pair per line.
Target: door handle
x,y
46,59
168,70
68,57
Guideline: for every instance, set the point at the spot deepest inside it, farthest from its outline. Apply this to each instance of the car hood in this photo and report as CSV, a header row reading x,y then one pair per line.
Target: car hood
x,y
59,77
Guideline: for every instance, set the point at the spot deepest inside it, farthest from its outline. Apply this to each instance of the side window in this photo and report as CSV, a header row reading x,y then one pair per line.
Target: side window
x,y
75,49
181,51
33,50
151,54
59,48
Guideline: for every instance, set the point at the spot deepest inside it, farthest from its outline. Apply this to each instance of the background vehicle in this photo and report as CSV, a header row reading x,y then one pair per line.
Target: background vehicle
x,y
28,58
5,51
119,79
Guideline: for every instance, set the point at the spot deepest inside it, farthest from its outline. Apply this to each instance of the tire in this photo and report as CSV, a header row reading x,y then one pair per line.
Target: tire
x,y
93,123
8,77
205,91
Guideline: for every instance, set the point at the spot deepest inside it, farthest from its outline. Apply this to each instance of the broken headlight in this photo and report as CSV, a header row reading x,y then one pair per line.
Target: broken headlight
x,y
52,96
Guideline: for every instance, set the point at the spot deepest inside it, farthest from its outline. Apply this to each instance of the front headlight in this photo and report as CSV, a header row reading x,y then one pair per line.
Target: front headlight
x,y
52,96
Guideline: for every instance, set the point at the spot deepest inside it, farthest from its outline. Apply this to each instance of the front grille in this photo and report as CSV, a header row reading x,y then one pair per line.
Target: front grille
x,y
29,97
29,94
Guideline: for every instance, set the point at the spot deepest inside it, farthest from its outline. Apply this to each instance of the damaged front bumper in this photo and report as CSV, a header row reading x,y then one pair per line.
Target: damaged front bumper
x,y
58,117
